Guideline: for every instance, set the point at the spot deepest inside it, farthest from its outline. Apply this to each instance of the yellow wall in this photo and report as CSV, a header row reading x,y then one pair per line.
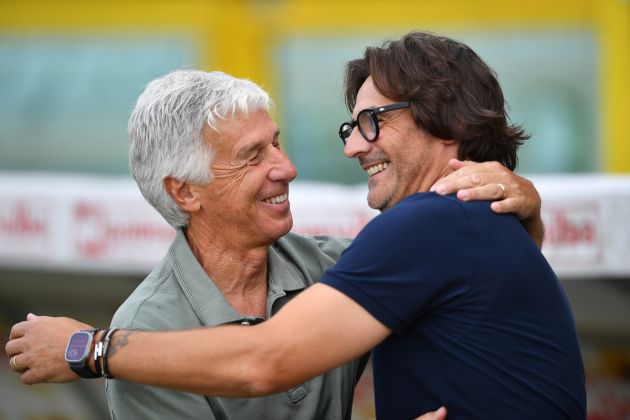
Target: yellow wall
x,y
237,36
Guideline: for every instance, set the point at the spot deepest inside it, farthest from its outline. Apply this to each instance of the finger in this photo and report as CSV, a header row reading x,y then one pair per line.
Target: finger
x,y
38,373
31,317
18,330
456,164
470,175
17,366
440,414
470,188
30,377
38,376
14,347
449,185
485,192
13,364
509,205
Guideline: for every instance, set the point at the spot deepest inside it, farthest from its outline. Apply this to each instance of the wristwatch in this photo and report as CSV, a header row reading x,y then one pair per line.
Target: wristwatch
x,y
78,353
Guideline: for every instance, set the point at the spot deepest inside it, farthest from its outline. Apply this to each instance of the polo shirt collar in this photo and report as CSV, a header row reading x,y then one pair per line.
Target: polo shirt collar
x,y
205,297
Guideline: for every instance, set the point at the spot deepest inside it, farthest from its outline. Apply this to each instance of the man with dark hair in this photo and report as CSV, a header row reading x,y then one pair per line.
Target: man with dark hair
x,y
452,93
459,303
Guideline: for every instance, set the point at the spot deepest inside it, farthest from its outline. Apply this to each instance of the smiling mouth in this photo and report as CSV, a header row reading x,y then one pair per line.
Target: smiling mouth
x,y
379,167
278,199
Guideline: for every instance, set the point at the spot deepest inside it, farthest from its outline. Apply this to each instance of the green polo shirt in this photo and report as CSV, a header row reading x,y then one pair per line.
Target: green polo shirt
x,y
178,294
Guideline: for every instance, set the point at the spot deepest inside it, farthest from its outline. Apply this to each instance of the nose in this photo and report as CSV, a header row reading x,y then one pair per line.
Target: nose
x,y
356,144
282,167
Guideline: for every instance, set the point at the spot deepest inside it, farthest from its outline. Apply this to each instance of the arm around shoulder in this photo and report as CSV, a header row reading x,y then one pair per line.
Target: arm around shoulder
x,y
318,330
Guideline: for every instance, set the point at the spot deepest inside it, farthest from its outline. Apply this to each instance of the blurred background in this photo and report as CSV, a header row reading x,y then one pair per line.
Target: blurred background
x,y
76,237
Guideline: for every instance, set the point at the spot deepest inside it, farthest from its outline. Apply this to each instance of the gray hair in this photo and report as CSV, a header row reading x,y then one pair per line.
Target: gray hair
x,y
165,130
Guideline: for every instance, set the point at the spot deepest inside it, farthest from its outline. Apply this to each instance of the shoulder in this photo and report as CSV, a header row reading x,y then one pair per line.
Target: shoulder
x,y
422,213
306,257
312,246
420,232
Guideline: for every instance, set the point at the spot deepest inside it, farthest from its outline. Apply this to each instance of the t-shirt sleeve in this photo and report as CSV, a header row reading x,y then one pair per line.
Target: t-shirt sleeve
x,y
408,261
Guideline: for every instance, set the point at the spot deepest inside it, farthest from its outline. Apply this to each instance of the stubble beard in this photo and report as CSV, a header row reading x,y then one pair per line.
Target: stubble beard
x,y
381,203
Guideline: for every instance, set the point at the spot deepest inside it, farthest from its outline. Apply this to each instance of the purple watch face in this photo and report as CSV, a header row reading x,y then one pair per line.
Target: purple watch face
x,y
77,346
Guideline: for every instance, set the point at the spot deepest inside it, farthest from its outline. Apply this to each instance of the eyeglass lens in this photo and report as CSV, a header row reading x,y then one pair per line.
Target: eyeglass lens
x,y
367,124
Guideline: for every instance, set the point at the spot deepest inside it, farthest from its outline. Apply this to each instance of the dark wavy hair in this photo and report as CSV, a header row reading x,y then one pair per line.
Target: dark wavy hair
x,y
453,93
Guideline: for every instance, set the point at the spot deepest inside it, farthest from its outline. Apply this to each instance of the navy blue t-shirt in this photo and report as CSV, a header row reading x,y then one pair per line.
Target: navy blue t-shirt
x,y
480,322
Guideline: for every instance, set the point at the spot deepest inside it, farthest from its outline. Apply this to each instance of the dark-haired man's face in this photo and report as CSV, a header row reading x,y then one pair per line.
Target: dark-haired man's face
x,y
403,160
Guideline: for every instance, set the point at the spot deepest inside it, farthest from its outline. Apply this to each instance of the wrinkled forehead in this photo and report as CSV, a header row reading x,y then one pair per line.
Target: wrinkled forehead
x,y
241,128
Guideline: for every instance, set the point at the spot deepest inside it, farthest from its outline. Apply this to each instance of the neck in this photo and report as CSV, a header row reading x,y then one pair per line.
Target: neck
x,y
240,272
438,153
442,172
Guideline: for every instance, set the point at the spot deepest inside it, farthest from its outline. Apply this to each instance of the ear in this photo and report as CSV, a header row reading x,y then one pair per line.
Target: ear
x,y
181,193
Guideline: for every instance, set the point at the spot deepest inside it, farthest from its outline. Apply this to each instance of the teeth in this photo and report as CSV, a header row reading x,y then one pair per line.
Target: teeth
x,y
377,168
277,199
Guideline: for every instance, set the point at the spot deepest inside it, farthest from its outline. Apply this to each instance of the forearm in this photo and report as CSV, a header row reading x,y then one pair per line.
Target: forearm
x,y
223,361
315,332
318,330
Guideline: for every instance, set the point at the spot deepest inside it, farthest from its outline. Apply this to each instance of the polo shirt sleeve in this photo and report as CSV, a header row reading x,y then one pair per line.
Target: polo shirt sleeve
x,y
408,261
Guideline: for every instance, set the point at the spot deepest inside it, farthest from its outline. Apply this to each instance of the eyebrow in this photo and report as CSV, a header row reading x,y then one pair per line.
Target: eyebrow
x,y
255,146
364,108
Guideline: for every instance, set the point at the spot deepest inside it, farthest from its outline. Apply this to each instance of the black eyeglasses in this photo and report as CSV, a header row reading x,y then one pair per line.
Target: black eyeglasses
x,y
367,122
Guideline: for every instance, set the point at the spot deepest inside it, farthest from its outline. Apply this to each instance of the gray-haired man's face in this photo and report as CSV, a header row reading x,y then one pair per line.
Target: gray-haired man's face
x,y
248,198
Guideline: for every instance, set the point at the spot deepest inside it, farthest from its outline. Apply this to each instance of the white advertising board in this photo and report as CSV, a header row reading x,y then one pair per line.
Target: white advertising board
x,y
82,223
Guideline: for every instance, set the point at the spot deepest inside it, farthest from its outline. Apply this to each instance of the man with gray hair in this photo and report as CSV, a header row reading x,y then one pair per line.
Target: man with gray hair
x,y
233,260
206,154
